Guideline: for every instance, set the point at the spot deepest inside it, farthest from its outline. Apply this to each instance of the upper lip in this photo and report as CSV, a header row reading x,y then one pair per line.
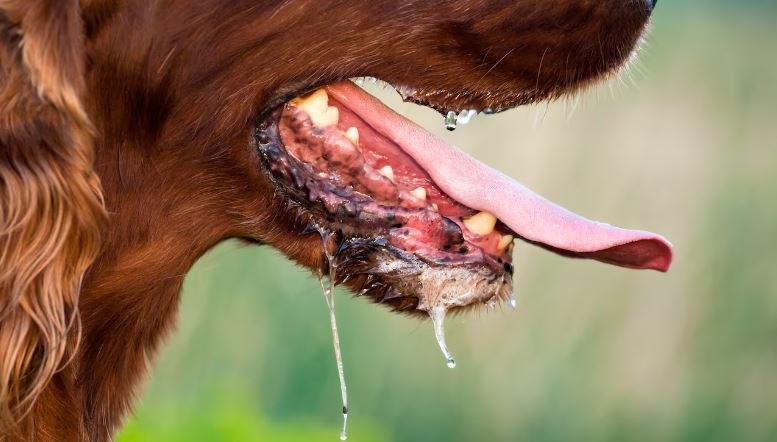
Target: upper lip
x,y
439,100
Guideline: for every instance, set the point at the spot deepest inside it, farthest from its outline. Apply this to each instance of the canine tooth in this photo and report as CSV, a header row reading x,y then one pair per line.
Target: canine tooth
x,y
316,105
481,223
330,118
419,193
387,172
504,241
316,101
352,134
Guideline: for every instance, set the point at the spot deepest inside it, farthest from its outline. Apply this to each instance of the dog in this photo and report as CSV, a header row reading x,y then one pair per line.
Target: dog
x,y
137,135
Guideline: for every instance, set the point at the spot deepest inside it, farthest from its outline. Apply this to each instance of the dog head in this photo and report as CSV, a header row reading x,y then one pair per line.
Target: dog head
x,y
224,93
205,120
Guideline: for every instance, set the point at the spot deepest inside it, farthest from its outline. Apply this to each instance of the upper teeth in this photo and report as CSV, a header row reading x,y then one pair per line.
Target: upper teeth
x,y
316,105
481,223
387,172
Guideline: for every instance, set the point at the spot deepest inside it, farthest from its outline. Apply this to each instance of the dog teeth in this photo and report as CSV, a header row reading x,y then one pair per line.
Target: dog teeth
x,y
481,223
387,172
352,134
316,105
331,117
419,193
504,241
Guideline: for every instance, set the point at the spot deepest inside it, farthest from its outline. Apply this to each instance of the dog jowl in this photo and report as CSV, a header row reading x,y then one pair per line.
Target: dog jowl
x,y
141,134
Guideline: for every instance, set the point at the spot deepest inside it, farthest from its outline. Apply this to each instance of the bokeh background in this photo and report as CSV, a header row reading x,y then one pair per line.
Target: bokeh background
x,y
684,144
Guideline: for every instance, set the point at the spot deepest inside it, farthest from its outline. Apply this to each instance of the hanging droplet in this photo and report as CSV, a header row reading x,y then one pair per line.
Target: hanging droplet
x,y
343,434
488,111
359,81
438,317
512,302
450,120
465,116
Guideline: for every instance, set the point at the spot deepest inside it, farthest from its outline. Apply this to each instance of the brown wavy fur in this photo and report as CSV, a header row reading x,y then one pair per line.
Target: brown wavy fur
x,y
159,99
50,204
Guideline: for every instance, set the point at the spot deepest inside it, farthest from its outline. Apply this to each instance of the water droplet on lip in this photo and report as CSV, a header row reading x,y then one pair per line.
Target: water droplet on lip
x,y
465,116
450,120
438,316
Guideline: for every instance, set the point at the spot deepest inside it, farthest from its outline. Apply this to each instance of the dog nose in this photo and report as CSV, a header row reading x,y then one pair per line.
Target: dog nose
x,y
651,4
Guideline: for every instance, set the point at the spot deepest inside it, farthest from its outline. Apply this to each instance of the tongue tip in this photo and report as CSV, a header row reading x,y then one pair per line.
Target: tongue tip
x,y
650,253
663,260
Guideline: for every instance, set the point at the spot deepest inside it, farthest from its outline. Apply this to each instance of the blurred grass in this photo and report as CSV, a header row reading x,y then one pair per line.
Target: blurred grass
x,y
685,145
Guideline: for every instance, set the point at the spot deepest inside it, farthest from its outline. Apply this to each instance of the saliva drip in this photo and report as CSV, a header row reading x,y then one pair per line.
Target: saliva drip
x,y
438,317
450,120
465,116
512,301
328,290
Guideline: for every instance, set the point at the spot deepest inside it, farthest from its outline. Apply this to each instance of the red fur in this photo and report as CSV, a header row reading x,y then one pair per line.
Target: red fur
x,y
165,95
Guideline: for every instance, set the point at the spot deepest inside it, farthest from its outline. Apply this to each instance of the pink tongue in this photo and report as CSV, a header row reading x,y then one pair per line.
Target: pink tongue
x,y
480,187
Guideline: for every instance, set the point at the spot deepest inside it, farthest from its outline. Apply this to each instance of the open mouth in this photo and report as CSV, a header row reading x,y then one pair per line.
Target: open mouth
x,y
414,222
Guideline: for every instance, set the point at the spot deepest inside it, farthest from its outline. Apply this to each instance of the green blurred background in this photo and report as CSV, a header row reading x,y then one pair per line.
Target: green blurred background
x,y
684,144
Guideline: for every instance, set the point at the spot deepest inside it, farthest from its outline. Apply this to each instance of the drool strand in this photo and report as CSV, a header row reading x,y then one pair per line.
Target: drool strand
x,y
328,291
438,316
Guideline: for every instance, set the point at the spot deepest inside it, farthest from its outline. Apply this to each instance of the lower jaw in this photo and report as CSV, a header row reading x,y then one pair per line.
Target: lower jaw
x,y
368,248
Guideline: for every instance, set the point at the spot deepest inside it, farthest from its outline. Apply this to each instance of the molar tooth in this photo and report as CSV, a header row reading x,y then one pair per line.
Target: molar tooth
x,y
387,172
419,193
504,241
481,223
352,134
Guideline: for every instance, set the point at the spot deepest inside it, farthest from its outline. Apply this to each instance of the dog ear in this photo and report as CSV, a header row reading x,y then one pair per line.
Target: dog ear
x,y
51,207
